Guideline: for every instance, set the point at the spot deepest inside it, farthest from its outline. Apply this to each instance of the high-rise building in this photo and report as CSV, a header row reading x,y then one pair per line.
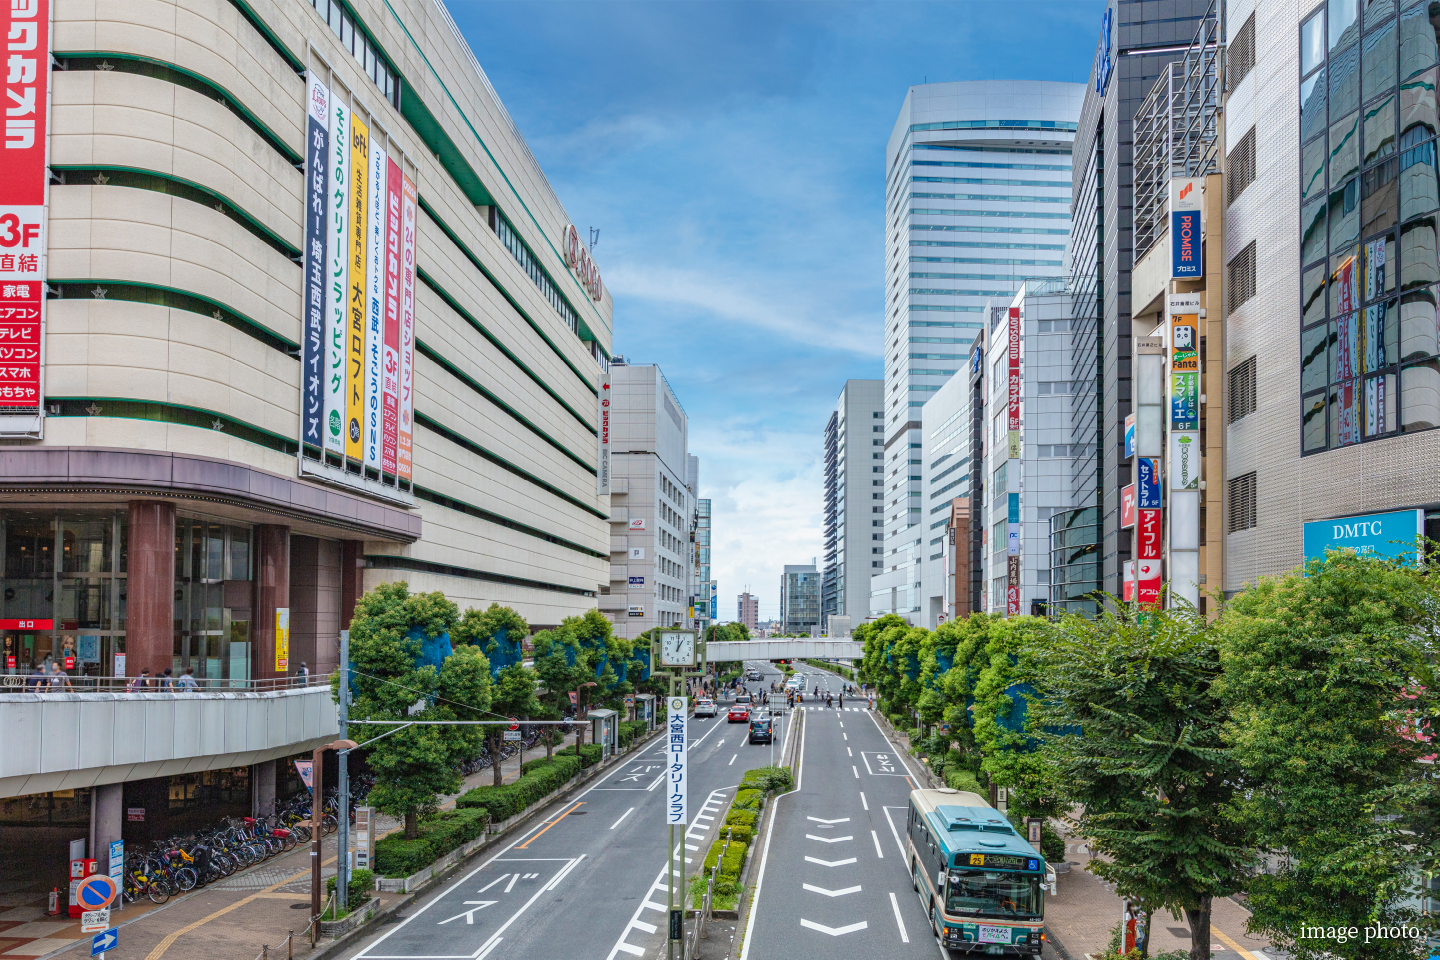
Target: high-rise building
x,y
652,506
800,599
1101,253
1332,386
946,453
854,499
703,591
977,199
748,610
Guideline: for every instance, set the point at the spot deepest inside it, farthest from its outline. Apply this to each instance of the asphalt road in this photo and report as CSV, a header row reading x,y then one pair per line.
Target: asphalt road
x,y
589,880
832,879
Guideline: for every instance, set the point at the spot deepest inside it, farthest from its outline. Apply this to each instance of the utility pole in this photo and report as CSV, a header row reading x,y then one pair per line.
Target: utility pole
x,y
342,859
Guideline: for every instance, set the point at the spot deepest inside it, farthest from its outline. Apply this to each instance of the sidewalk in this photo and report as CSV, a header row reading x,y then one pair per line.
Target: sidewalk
x,y
1079,918
231,919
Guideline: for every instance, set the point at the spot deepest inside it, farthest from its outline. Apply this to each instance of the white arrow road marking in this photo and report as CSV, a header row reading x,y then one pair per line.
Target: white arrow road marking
x,y
830,893
818,820
469,915
899,922
811,836
834,931
827,863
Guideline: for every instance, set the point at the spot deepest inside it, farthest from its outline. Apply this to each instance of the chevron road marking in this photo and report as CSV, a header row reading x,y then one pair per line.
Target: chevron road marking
x,y
830,893
828,863
811,836
834,931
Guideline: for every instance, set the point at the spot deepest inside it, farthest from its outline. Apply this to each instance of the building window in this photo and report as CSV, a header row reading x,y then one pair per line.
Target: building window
x,y
1242,503
1242,276
343,24
1370,221
1242,390
1240,165
1240,57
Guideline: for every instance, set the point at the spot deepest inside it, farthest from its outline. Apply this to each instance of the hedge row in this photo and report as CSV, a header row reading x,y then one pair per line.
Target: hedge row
x,y
439,834
734,858
590,753
362,883
630,731
538,779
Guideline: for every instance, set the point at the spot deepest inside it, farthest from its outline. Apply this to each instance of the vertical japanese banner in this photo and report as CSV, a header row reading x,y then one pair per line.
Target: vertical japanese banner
x,y
312,308
1012,467
374,297
337,249
1148,531
356,263
675,769
406,452
602,437
24,191
390,357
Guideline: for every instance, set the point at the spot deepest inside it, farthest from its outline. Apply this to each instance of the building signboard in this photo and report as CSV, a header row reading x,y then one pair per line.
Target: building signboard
x,y
312,307
676,752
1186,230
1376,534
282,639
337,282
357,264
406,426
24,194
390,335
1012,466
1129,436
1127,506
1184,460
1147,483
578,259
637,525
374,300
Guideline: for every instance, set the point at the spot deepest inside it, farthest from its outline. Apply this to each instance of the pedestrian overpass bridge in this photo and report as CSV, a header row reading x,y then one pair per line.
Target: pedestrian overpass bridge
x,y
783,648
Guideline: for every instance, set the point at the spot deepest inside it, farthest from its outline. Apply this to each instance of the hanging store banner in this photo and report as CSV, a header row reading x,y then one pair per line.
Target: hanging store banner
x,y
24,193
390,352
337,245
282,639
1147,483
312,307
358,265
1147,555
676,752
1127,506
406,452
1185,460
374,303
1012,401
1184,401
1187,232
602,437
714,601
1012,585
1184,310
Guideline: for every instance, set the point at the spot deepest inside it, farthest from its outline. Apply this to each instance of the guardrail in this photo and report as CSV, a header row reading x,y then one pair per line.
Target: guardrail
x,y
43,684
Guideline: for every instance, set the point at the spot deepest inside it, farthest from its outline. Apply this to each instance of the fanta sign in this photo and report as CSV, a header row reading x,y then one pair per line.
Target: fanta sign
x,y
1378,534
578,259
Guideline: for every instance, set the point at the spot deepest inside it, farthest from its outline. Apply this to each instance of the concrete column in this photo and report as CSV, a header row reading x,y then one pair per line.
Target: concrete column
x,y
272,592
352,579
262,789
315,572
108,820
150,603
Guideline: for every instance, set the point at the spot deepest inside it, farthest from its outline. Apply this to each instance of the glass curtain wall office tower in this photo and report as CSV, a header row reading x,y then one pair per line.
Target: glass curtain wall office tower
x,y
854,499
977,199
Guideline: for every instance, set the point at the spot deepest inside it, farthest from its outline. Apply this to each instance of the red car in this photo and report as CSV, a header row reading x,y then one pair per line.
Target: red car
x,y
739,713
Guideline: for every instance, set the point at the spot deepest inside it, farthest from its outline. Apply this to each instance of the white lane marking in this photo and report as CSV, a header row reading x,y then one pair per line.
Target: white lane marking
x,y
655,783
811,836
511,885
849,752
845,735
703,816
830,863
876,837
691,847
821,820
856,772
495,937
900,846
899,921
633,951
647,927
842,723
655,906
830,893
834,931
903,762
732,759
493,882
765,853
622,817
863,801
486,951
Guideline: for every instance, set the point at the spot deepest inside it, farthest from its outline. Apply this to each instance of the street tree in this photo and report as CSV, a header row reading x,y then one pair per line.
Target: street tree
x,y
1003,724
512,695
395,637
1329,681
1127,712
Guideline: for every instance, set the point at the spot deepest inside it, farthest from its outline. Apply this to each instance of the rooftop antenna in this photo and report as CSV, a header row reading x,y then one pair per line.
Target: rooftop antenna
x,y
594,238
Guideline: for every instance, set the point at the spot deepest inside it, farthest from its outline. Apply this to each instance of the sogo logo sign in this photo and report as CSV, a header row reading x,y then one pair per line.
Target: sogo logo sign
x,y
577,258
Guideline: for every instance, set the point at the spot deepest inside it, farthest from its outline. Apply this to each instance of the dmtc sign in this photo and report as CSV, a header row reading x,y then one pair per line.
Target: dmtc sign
x,y
1377,534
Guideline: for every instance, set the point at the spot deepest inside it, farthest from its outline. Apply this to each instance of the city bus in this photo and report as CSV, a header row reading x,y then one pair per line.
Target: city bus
x,y
981,883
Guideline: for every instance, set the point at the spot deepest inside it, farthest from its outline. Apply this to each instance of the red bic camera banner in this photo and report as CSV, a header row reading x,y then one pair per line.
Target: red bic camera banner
x,y
25,26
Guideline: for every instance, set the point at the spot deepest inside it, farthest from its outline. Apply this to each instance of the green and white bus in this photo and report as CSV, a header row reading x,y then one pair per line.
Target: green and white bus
x,y
981,883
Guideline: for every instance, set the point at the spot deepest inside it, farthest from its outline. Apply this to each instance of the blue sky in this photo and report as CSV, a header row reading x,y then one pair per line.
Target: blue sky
x,y
732,156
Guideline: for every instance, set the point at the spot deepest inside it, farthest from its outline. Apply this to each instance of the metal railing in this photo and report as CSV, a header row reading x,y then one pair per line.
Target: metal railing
x,y
12,684
1177,129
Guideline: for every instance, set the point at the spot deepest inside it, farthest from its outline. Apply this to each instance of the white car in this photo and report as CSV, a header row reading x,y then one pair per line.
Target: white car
x,y
705,708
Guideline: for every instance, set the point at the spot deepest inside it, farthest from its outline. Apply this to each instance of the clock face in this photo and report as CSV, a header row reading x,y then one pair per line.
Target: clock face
x,y
677,649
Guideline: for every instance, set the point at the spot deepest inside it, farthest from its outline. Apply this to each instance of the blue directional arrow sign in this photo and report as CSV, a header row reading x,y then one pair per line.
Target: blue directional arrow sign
x,y
104,941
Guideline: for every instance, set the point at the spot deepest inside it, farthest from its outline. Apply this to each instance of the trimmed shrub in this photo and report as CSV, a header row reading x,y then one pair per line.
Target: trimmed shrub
x,y
961,779
361,885
590,754
630,731
713,857
538,779
734,860
741,818
440,833
768,779
397,857
739,832
1052,845
747,800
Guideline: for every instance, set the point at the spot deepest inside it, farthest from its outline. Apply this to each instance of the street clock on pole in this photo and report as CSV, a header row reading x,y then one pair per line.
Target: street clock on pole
x,y
677,648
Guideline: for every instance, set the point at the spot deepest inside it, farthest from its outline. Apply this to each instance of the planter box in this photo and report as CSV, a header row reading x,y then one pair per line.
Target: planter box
x,y
413,882
334,929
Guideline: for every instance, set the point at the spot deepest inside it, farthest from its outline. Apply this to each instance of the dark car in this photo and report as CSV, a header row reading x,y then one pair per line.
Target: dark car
x,y
760,731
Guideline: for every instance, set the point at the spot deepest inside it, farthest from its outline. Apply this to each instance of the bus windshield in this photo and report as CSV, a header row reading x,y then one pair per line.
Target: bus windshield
x,y
992,893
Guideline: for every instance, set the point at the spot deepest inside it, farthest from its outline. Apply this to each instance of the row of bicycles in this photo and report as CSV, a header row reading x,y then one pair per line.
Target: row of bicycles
x,y
181,864
508,749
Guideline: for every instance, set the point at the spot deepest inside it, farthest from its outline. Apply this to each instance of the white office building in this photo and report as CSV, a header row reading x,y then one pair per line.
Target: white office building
x,y
854,500
978,188
652,503
947,427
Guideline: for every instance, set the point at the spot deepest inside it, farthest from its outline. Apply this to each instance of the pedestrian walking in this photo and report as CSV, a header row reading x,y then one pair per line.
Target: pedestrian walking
x,y
167,681
38,682
186,683
302,676
139,684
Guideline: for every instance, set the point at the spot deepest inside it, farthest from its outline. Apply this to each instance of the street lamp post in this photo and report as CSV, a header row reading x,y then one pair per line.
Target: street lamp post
x,y
317,819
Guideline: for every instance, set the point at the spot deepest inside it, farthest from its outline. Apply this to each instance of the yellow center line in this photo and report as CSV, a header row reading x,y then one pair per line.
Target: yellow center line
x,y
557,820
1246,954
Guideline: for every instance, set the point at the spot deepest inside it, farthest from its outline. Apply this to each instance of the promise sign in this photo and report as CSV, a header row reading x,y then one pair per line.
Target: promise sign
x,y
1187,232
